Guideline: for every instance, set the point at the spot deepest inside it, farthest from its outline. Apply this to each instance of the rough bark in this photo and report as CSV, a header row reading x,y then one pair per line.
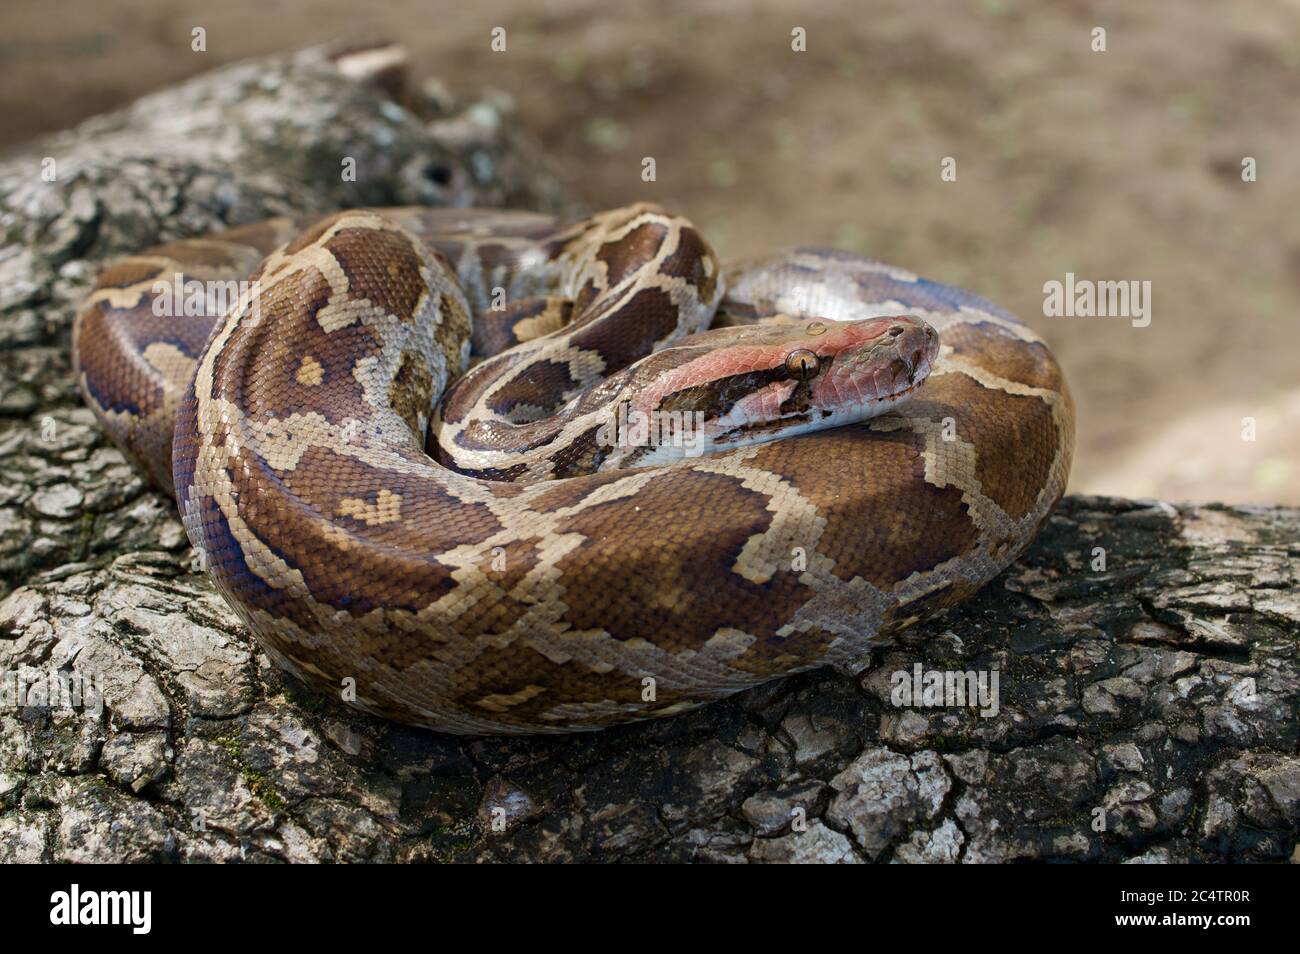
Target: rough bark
x,y
1147,707
256,139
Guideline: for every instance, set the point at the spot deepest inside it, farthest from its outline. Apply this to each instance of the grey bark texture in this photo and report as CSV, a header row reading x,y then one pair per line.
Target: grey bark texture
x,y
1146,654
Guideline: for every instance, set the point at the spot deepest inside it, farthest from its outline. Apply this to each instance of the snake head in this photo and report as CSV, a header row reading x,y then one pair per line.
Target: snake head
x,y
872,364
818,374
754,383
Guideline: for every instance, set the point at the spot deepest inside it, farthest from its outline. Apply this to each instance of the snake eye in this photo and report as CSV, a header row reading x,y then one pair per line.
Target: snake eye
x,y
802,363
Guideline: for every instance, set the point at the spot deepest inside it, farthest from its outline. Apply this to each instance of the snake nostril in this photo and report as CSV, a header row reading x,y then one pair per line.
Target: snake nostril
x,y
895,330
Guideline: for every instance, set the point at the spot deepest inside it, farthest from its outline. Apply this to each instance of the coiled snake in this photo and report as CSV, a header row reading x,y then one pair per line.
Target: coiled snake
x,y
588,536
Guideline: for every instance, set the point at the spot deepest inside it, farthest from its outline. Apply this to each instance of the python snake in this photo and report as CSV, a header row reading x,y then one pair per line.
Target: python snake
x,y
483,558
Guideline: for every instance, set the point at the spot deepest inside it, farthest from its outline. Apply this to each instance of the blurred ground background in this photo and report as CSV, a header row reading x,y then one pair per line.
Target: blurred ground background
x,y
1117,165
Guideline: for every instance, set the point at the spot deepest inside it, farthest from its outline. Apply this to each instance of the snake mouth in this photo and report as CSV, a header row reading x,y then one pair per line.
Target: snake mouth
x,y
812,420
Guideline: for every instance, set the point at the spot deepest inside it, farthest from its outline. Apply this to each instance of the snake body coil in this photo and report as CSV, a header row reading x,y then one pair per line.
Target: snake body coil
x,y
516,574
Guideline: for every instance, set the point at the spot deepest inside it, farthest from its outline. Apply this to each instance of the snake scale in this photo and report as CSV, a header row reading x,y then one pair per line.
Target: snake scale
x,y
469,551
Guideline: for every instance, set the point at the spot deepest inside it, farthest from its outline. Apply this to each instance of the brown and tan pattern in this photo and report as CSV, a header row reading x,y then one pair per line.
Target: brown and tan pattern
x,y
536,601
